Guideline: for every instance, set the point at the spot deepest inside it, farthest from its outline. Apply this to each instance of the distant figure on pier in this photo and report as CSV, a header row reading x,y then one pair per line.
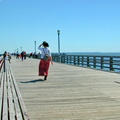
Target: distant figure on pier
x,y
4,55
45,60
17,55
31,54
39,55
9,57
22,55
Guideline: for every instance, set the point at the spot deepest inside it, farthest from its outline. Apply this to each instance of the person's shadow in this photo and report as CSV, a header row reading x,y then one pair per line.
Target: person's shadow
x,y
34,81
117,82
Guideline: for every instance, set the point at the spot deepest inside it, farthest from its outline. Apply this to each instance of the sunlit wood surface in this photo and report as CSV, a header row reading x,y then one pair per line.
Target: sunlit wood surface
x,y
70,93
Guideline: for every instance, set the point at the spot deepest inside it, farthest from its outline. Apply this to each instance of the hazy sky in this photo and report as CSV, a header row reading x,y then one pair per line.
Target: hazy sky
x,y
85,25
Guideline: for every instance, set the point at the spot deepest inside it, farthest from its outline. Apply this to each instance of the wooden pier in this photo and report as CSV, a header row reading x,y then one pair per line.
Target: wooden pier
x,y
70,93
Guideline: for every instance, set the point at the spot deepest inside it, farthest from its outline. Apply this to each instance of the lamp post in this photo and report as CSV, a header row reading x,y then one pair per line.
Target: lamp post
x,y
35,46
58,31
35,49
15,51
21,49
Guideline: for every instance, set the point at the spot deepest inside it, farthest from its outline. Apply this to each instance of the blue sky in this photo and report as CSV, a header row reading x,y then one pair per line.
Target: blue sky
x,y
85,25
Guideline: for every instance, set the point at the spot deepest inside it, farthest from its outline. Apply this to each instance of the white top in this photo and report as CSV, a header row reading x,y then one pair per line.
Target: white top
x,y
44,51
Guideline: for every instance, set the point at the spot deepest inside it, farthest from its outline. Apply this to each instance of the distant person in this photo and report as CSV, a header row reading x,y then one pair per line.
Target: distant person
x,y
4,55
31,54
39,56
17,55
35,55
9,57
44,62
22,55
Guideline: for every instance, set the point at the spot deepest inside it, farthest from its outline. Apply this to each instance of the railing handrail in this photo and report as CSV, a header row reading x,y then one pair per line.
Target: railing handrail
x,y
92,61
1,62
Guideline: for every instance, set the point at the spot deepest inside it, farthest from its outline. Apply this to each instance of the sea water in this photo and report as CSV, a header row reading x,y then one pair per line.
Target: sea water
x,y
94,53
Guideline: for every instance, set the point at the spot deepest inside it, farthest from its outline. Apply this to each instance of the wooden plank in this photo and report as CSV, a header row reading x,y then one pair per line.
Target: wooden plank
x,y
1,74
70,93
16,102
1,95
11,111
5,105
1,65
11,102
22,105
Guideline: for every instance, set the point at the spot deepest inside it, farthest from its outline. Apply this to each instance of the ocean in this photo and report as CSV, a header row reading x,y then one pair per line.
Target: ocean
x,y
94,53
90,53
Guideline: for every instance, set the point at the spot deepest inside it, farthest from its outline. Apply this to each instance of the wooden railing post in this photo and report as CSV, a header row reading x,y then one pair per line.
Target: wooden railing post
x,y
111,64
78,60
94,62
70,59
88,62
74,60
62,59
67,59
57,58
82,60
102,62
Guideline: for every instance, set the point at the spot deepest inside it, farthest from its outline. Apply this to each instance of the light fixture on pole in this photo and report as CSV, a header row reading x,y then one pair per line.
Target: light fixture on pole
x,y
21,49
58,31
15,51
35,46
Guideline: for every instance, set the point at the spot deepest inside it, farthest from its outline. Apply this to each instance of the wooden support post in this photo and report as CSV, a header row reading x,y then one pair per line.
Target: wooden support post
x,y
111,64
102,61
94,62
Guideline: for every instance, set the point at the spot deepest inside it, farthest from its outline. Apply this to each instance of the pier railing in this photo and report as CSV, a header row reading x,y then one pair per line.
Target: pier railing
x,y
1,62
109,63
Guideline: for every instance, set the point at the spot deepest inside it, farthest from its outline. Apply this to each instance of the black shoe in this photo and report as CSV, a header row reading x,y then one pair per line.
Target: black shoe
x,y
45,77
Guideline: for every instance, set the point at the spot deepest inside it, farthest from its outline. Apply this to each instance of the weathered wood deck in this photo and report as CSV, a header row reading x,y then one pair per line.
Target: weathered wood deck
x,y
70,93
12,106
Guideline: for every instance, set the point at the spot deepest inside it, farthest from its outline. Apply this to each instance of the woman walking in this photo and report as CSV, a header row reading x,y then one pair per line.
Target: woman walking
x,y
45,60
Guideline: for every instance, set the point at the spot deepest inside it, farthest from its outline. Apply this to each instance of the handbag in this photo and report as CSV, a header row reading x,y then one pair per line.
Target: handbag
x,y
46,57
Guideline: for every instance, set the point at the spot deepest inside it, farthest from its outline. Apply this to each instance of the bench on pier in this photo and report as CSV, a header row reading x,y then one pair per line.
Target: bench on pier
x,y
12,106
